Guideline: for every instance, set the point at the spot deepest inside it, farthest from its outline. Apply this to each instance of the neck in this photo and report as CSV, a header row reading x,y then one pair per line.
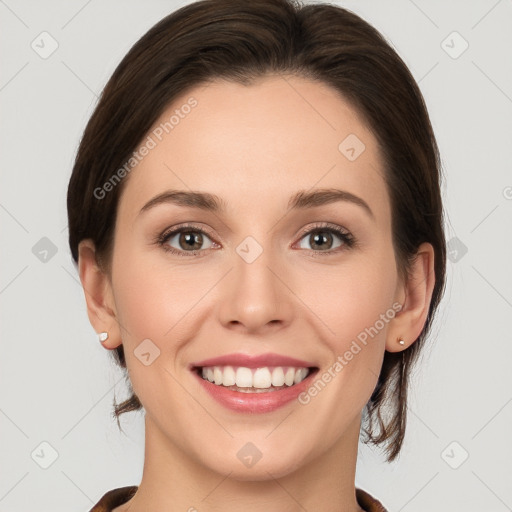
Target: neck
x,y
173,480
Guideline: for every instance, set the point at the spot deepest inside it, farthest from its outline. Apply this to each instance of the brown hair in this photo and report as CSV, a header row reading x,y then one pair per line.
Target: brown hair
x,y
241,41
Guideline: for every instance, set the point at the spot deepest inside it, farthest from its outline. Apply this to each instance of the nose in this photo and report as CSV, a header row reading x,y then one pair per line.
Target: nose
x,y
255,298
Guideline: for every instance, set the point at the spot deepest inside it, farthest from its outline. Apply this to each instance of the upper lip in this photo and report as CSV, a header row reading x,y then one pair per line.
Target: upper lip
x,y
253,361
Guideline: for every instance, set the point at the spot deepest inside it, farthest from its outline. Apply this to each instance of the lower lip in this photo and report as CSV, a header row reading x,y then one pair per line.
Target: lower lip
x,y
255,402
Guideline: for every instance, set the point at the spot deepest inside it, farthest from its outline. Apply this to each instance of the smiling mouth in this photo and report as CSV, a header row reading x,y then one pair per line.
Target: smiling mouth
x,y
254,380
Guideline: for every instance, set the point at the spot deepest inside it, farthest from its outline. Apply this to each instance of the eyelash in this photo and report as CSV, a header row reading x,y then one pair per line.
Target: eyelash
x,y
349,242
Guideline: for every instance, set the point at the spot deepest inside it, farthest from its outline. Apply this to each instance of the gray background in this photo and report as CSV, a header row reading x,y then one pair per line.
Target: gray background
x,y
57,383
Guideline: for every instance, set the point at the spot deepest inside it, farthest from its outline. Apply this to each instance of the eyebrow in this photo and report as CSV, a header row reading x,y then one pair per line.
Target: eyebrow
x,y
303,199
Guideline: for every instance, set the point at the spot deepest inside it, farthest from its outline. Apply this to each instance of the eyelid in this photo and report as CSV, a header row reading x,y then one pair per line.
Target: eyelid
x,y
322,225
174,230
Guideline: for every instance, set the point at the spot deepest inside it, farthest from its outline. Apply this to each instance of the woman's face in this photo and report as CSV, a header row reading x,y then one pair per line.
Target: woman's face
x,y
252,277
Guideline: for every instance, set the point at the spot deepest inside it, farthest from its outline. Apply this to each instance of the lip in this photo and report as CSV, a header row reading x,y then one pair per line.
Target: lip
x,y
253,361
254,402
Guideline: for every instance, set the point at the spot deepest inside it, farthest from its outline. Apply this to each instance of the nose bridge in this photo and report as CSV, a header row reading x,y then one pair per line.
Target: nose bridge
x,y
255,295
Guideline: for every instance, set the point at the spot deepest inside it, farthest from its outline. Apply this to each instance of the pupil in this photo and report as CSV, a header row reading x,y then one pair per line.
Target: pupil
x,y
190,239
317,236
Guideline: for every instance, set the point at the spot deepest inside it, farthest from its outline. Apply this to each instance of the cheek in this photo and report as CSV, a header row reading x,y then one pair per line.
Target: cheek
x,y
144,302
150,301
150,295
355,310
351,297
157,301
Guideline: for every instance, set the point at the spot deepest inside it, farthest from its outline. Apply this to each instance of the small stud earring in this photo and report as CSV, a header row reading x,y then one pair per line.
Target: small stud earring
x,y
103,336
401,341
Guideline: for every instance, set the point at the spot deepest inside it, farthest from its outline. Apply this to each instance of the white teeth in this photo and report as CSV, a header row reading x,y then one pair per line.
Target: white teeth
x,y
217,375
208,373
289,377
244,377
300,375
262,378
228,376
259,378
277,376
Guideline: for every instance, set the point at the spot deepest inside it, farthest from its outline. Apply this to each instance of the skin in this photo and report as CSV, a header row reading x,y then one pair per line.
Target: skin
x,y
254,146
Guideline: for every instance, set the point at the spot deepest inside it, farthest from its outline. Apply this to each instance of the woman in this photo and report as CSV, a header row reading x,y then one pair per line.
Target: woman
x,y
256,217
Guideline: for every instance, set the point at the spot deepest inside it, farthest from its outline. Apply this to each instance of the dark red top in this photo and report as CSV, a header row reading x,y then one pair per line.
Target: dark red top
x,y
116,497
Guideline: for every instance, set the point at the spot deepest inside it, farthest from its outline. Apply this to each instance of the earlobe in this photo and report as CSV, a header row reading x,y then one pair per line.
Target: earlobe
x,y
98,295
410,320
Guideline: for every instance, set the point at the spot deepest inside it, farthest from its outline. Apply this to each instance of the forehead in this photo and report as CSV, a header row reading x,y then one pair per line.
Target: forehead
x,y
257,143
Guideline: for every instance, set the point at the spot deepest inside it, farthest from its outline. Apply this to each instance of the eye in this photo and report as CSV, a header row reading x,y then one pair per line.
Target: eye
x,y
322,239
185,239
189,240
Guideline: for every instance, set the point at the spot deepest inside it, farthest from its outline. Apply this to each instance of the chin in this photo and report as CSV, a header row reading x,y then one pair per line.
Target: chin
x,y
249,464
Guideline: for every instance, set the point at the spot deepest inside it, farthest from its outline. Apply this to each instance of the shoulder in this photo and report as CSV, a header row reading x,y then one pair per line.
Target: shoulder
x,y
368,502
114,498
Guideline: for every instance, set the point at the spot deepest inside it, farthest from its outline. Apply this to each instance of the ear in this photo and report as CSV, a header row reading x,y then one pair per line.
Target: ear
x,y
98,295
415,296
